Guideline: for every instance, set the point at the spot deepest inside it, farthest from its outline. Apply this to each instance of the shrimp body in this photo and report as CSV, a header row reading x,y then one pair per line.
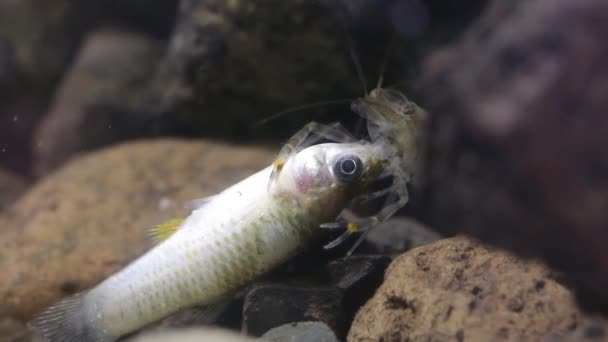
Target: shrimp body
x,y
240,234
396,122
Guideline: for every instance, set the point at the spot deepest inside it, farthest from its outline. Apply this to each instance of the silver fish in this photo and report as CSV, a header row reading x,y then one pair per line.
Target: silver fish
x,y
233,237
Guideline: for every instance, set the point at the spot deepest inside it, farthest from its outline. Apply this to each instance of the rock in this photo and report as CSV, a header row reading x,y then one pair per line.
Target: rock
x,y
225,315
355,270
11,187
590,329
38,40
359,277
194,335
45,34
98,101
88,219
269,306
38,33
155,17
228,66
7,63
301,332
457,289
12,331
517,144
398,235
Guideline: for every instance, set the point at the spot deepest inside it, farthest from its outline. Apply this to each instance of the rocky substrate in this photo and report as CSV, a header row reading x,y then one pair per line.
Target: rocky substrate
x,y
515,158
90,218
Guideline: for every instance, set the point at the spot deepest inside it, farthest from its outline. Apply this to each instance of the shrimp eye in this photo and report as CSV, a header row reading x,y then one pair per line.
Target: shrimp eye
x,y
348,168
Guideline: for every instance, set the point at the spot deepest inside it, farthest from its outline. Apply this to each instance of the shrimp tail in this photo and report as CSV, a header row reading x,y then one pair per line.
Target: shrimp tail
x,y
67,321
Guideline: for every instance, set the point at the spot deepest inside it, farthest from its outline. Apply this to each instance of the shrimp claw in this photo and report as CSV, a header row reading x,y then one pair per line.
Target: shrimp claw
x,y
351,223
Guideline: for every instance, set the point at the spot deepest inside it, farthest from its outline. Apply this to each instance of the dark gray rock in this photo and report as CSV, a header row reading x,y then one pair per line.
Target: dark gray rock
x,y
355,271
589,329
7,62
99,100
11,187
398,235
359,277
231,64
269,306
301,332
517,141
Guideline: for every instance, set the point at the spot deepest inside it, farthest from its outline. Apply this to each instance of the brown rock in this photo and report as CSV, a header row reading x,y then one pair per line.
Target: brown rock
x,y
12,331
228,66
517,143
459,290
11,187
88,219
97,102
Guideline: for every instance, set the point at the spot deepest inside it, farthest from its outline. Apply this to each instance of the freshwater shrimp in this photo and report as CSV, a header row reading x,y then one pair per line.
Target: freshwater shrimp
x,y
231,239
398,122
396,125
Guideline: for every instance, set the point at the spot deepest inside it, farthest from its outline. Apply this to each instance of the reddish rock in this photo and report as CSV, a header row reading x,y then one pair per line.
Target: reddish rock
x,y
459,290
91,217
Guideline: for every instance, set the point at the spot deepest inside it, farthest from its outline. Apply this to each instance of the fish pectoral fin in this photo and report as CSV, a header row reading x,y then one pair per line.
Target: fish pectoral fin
x,y
164,230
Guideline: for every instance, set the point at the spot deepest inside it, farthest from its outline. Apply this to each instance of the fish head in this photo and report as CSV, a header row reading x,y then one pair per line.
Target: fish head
x,y
332,173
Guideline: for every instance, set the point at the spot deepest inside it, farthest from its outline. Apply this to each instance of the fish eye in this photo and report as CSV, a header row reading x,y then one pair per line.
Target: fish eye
x,y
348,168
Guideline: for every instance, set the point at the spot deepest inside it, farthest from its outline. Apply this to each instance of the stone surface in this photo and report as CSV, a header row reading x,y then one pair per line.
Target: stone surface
x,y
457,289
12,331
11,187
38,40
353,271
7,63
226,315
45,34
99,100
359,277
398,235
195,335
591,330
231,64
269,306
88,219
517,144
301,332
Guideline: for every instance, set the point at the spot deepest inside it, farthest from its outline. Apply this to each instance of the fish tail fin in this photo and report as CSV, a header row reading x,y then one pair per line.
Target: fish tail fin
x,y
66,321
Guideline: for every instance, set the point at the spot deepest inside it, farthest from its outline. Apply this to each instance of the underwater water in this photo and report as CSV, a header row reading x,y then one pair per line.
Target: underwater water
x,y
119,120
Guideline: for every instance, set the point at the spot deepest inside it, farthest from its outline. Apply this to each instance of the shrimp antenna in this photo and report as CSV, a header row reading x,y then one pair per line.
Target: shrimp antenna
x,y
299,108
385,61
354,55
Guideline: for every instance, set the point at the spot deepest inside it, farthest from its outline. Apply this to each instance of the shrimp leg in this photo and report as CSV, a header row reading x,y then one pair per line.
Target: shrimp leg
x,y
364,225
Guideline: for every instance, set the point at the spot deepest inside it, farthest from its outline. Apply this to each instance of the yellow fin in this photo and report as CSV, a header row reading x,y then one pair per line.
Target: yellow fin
x,y
162,231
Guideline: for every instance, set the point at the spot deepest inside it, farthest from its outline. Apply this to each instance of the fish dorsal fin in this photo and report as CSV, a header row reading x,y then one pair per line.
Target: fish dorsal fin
x,y
164,230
